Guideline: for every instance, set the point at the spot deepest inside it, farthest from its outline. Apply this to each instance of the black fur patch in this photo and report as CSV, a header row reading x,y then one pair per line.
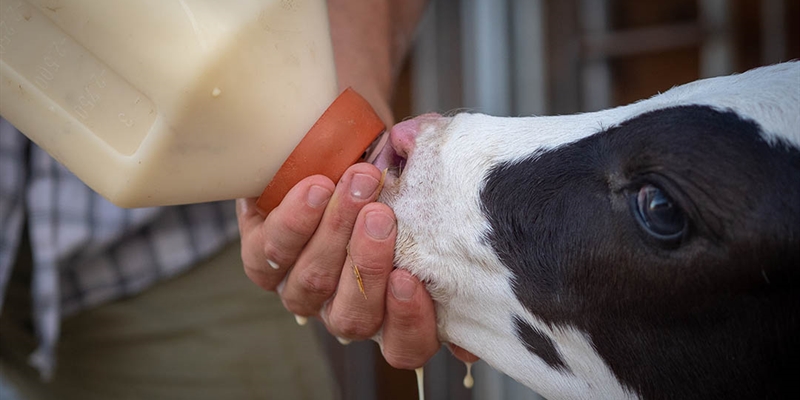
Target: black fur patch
x,y
539,344
715,316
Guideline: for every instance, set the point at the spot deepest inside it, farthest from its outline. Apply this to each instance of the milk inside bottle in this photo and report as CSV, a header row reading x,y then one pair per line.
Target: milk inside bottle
x,y
156,102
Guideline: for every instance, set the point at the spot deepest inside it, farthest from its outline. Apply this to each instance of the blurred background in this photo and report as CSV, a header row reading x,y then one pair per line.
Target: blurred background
x,y
539,57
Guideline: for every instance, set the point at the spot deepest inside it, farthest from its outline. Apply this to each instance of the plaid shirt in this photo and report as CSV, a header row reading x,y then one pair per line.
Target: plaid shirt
x,y
86,251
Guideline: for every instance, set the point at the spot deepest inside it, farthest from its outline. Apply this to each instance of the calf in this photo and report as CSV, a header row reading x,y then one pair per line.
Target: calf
x,y
646,251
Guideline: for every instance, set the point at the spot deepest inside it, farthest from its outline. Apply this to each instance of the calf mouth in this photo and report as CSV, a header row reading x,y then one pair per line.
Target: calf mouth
x,y
394,149
390,156
387,160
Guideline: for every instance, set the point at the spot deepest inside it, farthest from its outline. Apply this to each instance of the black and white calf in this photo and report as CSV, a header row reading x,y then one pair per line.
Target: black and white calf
x,y
646,251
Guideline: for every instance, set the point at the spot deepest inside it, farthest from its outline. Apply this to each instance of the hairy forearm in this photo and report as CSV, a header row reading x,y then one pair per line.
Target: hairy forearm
x,y
370,41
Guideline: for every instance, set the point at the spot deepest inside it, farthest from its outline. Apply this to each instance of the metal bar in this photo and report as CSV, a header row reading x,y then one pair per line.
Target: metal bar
x,y
425,66
642,40
528,52
716,53
563,55
484,30
595,72
436,68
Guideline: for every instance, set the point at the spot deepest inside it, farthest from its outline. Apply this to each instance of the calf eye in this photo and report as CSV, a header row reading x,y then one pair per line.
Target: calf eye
x,y
658,214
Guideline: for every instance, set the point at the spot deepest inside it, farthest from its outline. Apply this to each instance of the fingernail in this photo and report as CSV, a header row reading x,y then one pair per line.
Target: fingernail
x,y
403,288
344,341
379,225
273,264
302,321
362,186
318,196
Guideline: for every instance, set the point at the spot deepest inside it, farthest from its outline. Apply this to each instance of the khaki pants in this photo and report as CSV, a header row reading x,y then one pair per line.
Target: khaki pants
x,y
208,334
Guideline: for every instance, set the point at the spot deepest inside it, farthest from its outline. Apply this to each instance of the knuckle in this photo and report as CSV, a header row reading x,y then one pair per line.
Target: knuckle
x,y
298,225
288,230
352,327
321,285
262,278
407,318
403,360
372,266
295,307
272,253
341,223
257,272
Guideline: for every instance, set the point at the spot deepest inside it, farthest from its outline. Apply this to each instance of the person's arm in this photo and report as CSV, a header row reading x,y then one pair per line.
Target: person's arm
x,y
370,42
319,223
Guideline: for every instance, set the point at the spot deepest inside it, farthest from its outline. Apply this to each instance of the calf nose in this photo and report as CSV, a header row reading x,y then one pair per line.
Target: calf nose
x,y
404,134
402,140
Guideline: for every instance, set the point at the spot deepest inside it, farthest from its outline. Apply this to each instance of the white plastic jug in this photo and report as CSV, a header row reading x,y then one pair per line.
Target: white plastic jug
x,y
156,102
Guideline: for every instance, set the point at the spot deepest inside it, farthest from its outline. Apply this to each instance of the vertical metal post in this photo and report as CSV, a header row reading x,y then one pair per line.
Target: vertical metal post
x,y
595,73
437,59
716,54
425,71
528,52
485,34
487,29
563,56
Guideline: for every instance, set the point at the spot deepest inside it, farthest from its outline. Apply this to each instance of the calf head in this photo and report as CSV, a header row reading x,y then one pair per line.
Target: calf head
x,y
651,250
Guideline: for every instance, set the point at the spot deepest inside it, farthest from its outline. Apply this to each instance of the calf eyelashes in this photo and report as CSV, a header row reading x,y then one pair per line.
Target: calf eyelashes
x,y
658,215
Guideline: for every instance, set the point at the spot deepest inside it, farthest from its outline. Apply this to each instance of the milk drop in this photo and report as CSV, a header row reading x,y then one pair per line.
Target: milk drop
x,y
420,383
468,381
302,321
343,341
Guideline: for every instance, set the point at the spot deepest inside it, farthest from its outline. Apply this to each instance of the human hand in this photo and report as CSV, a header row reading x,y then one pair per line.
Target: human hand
x,y
308,237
